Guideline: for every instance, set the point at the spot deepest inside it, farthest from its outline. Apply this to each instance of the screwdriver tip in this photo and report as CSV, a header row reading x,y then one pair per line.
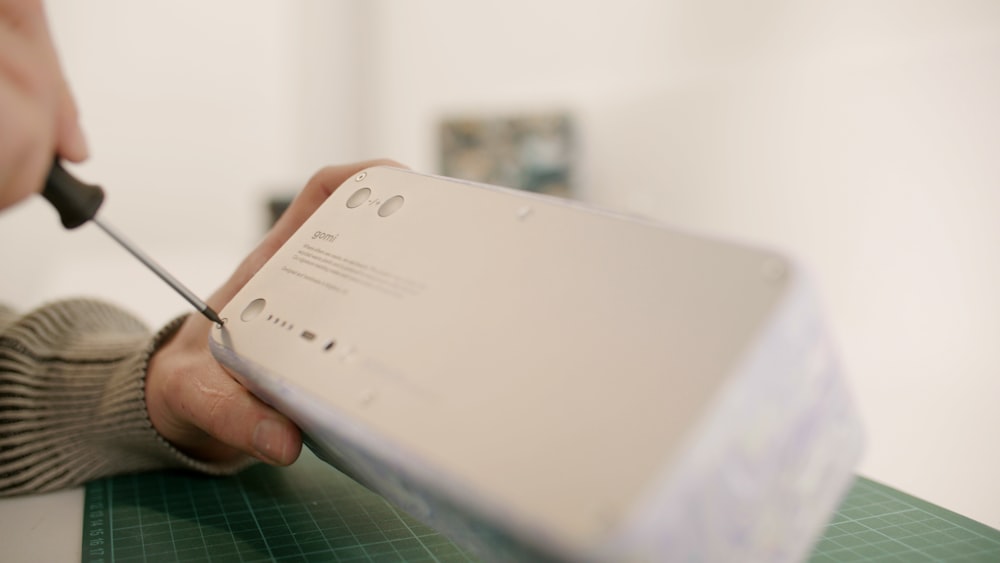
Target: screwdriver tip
x,y
212,316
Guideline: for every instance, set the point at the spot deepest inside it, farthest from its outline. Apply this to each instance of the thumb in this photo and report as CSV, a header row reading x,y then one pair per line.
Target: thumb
x,y
71,144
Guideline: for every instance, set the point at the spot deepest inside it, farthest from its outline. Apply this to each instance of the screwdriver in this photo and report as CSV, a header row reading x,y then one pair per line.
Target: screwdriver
x,y
78,202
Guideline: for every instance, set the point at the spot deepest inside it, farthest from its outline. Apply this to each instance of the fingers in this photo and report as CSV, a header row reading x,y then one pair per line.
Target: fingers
x,y
71,144
24,159
70,141
317,190
37,110
192,401
26,137
200,409
24,16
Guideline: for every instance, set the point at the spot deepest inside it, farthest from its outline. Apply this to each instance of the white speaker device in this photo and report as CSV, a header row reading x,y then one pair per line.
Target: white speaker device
x,y
541,380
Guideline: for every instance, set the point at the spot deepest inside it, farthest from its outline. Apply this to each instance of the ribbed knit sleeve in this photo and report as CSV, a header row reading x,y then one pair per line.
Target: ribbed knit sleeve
x,y
72,403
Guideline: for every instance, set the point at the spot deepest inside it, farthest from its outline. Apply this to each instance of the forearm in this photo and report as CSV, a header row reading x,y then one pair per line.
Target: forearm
x,y
72,398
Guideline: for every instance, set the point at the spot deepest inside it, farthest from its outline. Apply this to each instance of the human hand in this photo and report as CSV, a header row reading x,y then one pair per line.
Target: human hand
x,y
192,400
38,118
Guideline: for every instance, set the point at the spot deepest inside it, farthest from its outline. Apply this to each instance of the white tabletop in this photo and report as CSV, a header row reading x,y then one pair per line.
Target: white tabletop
x,y
43,528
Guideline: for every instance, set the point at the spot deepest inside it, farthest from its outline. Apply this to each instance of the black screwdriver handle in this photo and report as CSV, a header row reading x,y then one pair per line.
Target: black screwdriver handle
x,y
75,201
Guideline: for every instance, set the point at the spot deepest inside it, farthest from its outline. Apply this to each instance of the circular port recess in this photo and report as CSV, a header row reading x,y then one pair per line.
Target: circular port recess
x,y
390,206
251,311
358,197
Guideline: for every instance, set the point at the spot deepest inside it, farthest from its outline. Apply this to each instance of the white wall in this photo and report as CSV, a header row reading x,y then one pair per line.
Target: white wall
x,y
860,135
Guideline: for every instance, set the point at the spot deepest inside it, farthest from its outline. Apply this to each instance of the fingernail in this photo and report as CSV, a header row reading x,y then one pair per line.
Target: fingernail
x,y
270,440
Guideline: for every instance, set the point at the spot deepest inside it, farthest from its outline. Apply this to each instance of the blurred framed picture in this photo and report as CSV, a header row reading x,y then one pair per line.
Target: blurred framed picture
x,y
533,153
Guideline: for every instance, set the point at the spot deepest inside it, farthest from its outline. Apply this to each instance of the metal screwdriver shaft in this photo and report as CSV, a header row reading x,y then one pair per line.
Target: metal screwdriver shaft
x,y
78,203
186,293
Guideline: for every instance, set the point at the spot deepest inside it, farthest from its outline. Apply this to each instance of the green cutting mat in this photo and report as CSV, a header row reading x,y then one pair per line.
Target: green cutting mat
x,y
310,512
879,523
307,512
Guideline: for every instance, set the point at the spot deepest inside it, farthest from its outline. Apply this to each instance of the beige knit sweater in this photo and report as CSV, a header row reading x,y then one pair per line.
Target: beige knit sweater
x,y
72,404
